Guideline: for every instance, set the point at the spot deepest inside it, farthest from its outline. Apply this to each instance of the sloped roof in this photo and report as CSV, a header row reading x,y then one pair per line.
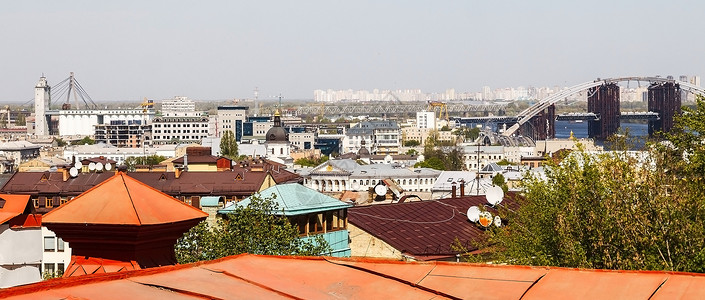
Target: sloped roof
x,y
492,167
123,200
423,229
446,178
286,277
12,206
294,199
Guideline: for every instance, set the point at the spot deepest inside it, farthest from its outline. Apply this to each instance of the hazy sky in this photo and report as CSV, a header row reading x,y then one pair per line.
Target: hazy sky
x,y
211,50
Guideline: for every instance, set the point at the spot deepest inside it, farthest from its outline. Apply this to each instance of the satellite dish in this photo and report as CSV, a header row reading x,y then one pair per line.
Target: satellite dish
x,y
497,221
381,190
91,167
73,172
108,166
78,165
474,213
485,219
99,166
494,195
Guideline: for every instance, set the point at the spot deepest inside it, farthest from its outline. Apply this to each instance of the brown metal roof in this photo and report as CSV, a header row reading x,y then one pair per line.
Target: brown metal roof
x,y
423,229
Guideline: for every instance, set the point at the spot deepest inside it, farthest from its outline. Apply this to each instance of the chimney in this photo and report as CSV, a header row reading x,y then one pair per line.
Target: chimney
x,y
462,187
177,172
185,161
452,188
65,173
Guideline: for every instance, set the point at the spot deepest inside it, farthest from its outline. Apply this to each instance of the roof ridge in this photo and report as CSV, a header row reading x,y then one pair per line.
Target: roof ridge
x,y
132,202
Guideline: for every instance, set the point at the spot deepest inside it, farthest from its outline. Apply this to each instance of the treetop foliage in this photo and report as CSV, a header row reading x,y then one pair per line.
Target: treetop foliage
x,y
614,210
254,229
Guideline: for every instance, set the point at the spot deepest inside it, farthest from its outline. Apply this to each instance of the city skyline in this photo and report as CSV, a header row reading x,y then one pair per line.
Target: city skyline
x,y
220,50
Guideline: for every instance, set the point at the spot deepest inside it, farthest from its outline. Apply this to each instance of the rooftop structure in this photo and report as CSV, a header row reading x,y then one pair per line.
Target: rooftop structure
x,y
312,212
121,224
20,241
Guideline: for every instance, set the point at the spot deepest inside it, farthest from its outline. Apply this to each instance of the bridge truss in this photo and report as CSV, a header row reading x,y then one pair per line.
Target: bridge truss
x,y
543,104
386,108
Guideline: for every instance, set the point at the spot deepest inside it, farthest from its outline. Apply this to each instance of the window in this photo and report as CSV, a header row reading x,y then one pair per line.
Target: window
x,y
60,269
49,268
49,244
60,245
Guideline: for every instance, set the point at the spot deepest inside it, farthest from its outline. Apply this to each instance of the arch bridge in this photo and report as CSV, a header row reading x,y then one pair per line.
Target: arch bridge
x,y
603,99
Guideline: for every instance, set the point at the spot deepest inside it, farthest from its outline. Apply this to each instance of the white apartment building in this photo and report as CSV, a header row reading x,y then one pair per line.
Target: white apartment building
x,y
347,175
474,158
178,104
57,254
381,137
426,120
177,130
231,118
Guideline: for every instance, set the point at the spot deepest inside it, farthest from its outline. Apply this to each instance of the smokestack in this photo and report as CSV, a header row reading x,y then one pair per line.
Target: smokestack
x,y
453,191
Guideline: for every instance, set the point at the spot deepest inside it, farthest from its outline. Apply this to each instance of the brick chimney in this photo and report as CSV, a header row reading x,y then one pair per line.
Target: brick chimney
x,y
462,187
453,190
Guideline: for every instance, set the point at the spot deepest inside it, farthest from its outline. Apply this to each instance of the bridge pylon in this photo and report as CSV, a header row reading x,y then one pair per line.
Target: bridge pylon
x,y
603,101
665,99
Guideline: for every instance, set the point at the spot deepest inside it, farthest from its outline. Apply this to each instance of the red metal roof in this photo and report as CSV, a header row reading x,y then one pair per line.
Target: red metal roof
x,y
272,277
123,200
12,206
423,229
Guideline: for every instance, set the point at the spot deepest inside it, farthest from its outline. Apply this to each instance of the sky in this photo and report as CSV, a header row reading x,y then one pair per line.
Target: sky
x,y
218,50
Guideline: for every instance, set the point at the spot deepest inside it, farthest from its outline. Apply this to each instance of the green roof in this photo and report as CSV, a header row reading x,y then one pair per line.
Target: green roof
x,y
295,199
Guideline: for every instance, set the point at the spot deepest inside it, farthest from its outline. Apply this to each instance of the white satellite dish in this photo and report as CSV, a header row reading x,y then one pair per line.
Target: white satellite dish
x,y
474,213
485,219
108,166
91,167
99,166
381,190
497,221
494,195
78,165
73,172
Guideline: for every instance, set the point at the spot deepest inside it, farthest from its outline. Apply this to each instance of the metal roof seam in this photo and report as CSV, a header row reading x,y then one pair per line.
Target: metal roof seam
x,y
180,291
659,287
226,273
390,277
532,285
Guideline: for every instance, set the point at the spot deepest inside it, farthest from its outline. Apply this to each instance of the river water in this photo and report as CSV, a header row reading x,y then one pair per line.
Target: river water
x,y
563,129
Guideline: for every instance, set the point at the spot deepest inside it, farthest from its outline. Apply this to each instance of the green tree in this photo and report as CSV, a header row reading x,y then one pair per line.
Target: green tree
x,y
311,161
84,141
228,145
254,229
60,142
21,120
133,161
433,163
411,143
412,152
615,210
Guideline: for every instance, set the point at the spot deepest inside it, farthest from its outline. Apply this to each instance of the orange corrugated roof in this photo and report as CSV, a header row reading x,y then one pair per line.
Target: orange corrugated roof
x,y
14,206
123,200
265,277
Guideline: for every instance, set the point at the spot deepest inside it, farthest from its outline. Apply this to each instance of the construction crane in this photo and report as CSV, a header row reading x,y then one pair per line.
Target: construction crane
x,y
432,105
